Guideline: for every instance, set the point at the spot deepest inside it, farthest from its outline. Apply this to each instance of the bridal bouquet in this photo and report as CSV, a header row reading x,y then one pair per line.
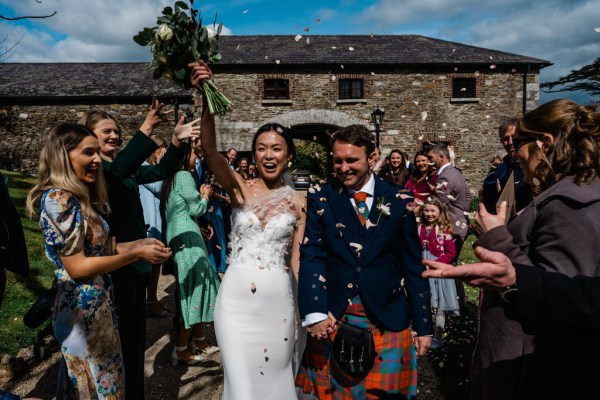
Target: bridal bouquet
x,y
179,39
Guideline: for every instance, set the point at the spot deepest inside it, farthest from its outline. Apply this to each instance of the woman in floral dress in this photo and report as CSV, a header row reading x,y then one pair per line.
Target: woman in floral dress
x,y
70,193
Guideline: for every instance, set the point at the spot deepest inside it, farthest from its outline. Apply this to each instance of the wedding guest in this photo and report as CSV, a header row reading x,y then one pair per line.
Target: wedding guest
x,y
435,232
395,170
243,169
70,197
150,198
361,264
496,179
198,283
422,181
377,162
123,173
558,146
534,297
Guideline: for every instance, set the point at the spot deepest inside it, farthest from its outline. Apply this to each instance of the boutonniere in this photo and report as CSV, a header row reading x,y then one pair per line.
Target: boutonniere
x,y
383,208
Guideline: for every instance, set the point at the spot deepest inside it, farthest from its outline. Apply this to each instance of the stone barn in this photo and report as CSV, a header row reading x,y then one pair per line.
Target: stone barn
x,y
431,91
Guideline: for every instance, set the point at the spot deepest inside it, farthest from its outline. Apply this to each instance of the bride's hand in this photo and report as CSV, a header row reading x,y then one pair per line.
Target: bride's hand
x,y
199,73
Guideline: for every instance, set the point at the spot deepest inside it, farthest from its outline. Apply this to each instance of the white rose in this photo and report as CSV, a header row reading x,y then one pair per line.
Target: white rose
x,y
164,33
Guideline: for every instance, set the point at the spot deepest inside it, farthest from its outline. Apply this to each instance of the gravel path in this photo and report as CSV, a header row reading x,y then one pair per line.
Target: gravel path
x,y
205,380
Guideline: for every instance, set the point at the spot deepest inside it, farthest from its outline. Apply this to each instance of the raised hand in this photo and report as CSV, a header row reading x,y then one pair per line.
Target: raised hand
x,y
185,131
155,116
484,221
199,73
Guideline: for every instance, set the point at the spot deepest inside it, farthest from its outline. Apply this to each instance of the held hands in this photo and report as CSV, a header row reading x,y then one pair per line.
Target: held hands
x,y
185,131
155,116
495,272
322,329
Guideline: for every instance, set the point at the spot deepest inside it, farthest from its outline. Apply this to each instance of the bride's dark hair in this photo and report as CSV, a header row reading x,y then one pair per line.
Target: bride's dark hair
x,y
281,131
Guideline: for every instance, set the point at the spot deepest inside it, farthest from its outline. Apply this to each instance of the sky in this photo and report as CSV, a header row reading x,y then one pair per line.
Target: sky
x,y
564,32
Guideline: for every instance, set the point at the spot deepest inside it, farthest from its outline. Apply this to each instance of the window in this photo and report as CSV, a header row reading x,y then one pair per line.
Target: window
x,y
277,89
351,89
463,88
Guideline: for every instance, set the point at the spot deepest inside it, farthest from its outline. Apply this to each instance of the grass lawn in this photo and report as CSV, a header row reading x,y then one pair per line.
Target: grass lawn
x,y
21,293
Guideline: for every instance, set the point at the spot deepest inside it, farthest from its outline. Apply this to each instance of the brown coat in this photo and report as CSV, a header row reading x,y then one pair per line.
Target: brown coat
x,y
559,231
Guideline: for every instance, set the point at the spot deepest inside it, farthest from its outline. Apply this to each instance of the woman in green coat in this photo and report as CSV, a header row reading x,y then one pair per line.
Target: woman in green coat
x,y
198,282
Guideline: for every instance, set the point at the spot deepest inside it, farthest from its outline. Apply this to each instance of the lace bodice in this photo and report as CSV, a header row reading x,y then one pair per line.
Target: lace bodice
x,y
262,230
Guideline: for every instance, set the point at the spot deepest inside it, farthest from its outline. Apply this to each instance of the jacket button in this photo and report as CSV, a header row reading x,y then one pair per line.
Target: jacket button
x,y
316,297
314,286
358,269
350,286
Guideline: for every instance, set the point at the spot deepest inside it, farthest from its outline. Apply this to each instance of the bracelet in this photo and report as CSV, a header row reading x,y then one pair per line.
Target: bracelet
x,y
509,293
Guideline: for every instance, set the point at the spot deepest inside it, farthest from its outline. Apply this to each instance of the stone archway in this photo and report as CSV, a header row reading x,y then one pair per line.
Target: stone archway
x,y
315,125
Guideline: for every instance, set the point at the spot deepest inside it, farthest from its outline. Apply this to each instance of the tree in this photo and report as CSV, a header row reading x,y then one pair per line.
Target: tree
x,y
310,157
586,79
7,50
27,16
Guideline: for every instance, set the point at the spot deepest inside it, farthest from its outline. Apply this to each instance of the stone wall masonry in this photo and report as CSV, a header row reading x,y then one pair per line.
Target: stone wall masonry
x,y
418,108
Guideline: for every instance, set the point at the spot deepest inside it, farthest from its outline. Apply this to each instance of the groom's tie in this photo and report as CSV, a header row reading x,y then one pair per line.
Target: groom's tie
x,y
361,206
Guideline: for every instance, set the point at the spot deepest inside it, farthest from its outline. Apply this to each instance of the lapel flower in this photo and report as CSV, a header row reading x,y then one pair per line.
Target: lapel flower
x,y
383,208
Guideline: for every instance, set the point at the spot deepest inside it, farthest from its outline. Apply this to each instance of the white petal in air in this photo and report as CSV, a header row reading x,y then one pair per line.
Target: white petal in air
x,y
297,38
423,115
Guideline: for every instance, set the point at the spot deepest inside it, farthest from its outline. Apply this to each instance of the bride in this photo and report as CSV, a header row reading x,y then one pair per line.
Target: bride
x,y
255,313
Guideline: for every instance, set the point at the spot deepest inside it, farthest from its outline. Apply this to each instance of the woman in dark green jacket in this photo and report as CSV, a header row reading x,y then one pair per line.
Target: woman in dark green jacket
x,y
123,173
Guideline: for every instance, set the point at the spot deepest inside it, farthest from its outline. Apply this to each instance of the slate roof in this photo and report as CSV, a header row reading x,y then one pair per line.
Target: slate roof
x,y
366,49
134,80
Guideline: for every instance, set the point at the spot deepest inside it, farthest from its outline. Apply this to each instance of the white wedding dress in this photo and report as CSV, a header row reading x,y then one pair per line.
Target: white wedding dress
x,y
255,313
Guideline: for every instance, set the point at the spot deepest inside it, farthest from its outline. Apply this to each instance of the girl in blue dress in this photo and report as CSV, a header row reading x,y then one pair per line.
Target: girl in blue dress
x,y
69,195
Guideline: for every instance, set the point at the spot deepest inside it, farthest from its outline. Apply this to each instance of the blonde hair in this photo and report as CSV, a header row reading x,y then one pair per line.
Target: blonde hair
x,y
443,220
575,150
91,118
55,171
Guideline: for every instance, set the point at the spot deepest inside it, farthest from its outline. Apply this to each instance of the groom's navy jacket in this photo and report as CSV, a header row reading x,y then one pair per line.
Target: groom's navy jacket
x,y
386,270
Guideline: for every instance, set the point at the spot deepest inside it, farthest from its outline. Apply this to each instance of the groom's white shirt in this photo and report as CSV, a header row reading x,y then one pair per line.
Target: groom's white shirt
x,y
369,188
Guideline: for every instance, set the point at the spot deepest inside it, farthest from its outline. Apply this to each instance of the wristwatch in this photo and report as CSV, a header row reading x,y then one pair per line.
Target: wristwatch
x,y
509,293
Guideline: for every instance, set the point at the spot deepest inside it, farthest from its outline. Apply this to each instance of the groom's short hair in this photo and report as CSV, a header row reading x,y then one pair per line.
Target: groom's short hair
x,y
356,135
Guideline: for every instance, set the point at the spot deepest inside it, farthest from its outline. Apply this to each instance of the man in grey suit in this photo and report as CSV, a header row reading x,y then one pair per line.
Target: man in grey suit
x,y
453,190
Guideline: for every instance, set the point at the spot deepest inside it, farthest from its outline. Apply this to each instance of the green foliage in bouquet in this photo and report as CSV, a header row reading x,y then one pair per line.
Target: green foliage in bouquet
x,y
179,39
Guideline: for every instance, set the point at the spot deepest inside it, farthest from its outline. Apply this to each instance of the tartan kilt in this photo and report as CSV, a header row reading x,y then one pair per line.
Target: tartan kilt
x,y
394,374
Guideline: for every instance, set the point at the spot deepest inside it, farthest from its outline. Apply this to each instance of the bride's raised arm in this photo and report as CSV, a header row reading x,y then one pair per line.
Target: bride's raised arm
x,y
231,181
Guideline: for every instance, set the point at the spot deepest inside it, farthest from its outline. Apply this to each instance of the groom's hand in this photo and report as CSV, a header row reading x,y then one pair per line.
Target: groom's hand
x,y
320,330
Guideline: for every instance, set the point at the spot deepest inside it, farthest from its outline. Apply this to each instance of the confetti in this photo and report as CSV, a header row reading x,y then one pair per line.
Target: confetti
x,y
369,224
351,48
493,66
358,246
416,102
320,212
297,38
277,61
306,29
333,78
238,46
423,115
339,225
317,20
322,279
245,11
597,29
307,40
305,240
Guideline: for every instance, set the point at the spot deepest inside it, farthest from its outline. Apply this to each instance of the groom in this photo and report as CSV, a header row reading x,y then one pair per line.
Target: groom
x,y
361,263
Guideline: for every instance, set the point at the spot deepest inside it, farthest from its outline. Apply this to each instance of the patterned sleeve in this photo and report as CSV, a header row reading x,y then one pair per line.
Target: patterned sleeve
x,y
61,222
